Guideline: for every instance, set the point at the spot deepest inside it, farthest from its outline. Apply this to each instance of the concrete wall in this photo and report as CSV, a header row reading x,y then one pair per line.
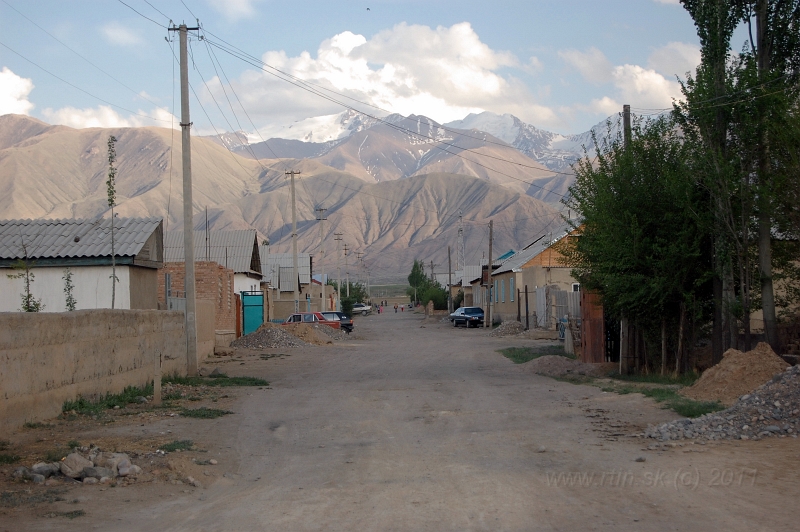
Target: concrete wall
x,y
92,288
49,358
206,337
143,288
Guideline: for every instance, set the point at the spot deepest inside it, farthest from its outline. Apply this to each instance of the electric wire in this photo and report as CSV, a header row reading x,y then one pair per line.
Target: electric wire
x,y
142,14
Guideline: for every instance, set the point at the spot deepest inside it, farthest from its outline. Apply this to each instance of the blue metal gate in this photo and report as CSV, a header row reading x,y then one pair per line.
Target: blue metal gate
x,y
252,311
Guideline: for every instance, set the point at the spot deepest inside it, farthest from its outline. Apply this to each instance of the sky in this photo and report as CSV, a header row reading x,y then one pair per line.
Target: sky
x,y
561,65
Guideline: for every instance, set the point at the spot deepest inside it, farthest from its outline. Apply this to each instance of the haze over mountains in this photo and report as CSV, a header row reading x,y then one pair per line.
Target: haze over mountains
x,y
394,187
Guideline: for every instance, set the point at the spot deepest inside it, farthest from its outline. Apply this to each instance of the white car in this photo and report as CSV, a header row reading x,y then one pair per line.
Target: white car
x,y
362,308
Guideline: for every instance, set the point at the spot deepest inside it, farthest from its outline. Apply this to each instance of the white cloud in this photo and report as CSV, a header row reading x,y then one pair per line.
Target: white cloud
x,y
233,9
14,91
120,35
592,64
671,2
444,73
105,116
675,59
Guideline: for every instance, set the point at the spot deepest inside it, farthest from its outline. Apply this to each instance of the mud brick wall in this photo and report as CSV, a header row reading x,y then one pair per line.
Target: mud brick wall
x,y
49,358
212,282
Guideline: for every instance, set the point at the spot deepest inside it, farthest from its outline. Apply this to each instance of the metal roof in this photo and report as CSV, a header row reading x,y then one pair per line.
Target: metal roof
x,y
236,250
538,246
74,238
273,265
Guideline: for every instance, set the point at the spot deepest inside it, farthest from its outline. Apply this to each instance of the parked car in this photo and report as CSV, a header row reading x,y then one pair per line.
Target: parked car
x,y
469,316
345,321
311,318
363,308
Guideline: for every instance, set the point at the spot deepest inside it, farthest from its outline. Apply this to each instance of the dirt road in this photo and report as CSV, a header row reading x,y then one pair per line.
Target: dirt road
x,y
414,425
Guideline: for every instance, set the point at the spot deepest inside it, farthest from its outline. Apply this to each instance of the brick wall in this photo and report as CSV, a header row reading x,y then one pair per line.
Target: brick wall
x,y
212,282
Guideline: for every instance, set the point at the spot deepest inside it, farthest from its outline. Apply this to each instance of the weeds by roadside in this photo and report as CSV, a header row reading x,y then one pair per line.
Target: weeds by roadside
x,y
520,355
686,379
88,407
177,445
204,413
215,380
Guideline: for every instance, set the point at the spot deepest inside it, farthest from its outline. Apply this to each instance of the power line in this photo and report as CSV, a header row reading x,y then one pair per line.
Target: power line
x,y
142,15
80,89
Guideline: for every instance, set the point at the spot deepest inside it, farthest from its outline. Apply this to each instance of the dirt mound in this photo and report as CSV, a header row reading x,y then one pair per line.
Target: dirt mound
x,y
268,335
330,332
308,333
738,374
508,328
558,366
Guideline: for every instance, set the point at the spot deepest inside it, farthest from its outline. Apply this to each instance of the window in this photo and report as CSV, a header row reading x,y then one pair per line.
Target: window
x,y
511,289
502,291
576,287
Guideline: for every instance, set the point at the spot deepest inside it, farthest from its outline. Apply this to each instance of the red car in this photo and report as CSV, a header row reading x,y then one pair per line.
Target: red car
x,y
311,318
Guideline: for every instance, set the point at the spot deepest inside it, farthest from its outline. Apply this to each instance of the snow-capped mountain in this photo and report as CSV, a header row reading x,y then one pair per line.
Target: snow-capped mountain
x,y
553,150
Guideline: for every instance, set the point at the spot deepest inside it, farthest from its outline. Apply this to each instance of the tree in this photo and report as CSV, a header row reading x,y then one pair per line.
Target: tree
x,y
358,292
643,233
417,280
70,302
23,268
112,201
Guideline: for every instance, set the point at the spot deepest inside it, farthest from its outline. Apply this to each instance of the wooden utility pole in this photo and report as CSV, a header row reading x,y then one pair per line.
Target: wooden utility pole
x,y
488,321
188,228
626,124
527,311
338,238
449,282
624,328
295,269
347,270
321,219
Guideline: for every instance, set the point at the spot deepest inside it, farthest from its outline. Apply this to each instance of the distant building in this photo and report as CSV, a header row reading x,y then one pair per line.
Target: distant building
x,y
83,246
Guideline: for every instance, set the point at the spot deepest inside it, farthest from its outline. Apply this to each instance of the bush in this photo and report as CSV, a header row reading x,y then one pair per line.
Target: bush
x,y
347,305
436,294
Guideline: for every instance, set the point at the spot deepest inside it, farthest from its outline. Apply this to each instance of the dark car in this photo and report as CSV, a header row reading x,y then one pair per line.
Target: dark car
x,y
469,316
345,322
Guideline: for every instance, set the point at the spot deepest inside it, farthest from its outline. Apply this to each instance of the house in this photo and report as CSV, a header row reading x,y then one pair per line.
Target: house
x,y
82,247
278,271
234,250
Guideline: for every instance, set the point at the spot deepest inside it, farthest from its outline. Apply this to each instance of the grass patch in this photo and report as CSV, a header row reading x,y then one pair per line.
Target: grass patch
x,y
73,444
36,425
54,455
4,445
69,515
98,406
183,445
221,380
681,405
204,413
687,379
6,458
520,355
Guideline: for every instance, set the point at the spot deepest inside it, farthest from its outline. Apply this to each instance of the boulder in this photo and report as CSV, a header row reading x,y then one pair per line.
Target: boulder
x,y
97,472
112,461
45,469
72,466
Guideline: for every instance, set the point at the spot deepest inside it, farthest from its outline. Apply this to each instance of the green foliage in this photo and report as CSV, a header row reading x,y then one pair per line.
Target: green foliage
x,y
683,379
54,455
4,445
68,288
358,292
36,425
23,268
204,413
98,406
347,305
112,172
520,355
217,380
73,444
424,289
434,293
458,300
183,445
6,458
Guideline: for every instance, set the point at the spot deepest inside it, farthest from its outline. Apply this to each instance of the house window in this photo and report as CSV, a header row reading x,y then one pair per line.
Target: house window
x,y
502,291
511,289
576,287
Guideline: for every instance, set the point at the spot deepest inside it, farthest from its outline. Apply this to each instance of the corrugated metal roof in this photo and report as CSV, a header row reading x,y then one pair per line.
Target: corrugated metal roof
x,y
271,262
63,238
232,249
532,250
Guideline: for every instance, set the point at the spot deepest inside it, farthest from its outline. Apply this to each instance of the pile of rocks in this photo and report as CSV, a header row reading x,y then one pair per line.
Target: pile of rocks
x,y
267,337
330,332
508,328
773,409
96,467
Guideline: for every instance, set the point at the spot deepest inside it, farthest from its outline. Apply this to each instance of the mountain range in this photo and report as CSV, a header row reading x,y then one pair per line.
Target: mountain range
x,y
397,188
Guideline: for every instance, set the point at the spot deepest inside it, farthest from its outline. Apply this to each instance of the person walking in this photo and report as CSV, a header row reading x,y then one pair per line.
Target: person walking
x,y
395,308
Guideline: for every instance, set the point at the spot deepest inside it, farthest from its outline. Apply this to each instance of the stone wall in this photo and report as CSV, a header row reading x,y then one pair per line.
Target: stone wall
x,y
49,358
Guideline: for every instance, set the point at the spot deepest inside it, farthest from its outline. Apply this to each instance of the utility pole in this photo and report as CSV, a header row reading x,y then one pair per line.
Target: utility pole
x,y
624,328
347,270
321,219
295,273
449,282
460,251
433,276
338,238
626,124
488,322
188,232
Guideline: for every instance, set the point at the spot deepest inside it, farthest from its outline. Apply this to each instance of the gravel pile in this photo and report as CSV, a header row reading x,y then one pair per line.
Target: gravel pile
x,y
508,328
268,336
330,332
773,409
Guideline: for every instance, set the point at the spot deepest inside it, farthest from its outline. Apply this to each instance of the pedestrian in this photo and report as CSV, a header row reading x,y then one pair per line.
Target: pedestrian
x,y
395,308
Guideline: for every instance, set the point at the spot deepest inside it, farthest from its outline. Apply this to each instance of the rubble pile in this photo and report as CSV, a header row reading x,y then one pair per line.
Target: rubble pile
x,y
508,328
268,336
91,466
772,410
330,332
